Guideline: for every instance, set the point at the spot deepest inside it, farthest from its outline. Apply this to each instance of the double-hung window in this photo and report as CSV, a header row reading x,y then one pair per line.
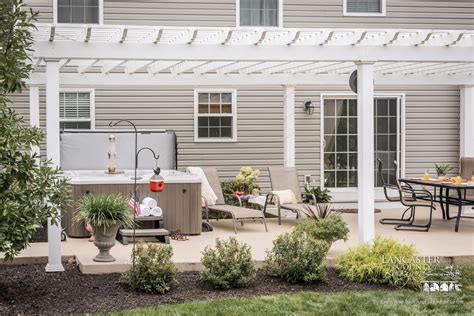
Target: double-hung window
x,y
215,115
78,11
259,13
364,7
76,110
340,140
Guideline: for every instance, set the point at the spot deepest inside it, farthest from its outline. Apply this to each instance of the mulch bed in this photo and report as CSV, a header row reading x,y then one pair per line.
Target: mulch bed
x,y
28,289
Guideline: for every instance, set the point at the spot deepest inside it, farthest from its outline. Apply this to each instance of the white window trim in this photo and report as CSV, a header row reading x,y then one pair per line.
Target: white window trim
x,y
280,18
400,96
383,13
234,116
55,13
92,106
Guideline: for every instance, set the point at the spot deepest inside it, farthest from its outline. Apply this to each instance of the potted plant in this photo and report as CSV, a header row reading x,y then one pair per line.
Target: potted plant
x,y
442,169
321,198
105,213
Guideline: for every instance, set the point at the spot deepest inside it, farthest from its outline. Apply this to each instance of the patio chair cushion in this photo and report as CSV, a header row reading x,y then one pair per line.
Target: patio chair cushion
x,y
285,178
238,211
286,196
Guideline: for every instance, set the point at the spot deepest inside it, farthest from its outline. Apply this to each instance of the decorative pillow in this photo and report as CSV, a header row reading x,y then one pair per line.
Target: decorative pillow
x,y
286,197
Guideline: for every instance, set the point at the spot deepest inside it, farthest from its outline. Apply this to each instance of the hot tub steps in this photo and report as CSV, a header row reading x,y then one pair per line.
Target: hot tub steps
x,y
125,236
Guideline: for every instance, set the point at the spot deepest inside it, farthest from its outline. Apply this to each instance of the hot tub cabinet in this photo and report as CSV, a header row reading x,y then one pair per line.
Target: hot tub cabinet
x,y
180,200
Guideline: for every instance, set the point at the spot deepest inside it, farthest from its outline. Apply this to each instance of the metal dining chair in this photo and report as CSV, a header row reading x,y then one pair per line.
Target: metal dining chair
x,y
392,198
412,199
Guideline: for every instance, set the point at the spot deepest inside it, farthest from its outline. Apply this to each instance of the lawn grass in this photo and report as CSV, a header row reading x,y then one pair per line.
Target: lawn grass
x,y
399,302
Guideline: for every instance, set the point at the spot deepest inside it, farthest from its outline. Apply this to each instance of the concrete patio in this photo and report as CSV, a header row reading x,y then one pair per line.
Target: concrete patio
x,y
440,241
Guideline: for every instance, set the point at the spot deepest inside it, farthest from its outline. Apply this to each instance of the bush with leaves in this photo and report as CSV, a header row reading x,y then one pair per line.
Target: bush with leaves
x,y
297,257
30,191
153,271
386,262
228,265
317,195
329,229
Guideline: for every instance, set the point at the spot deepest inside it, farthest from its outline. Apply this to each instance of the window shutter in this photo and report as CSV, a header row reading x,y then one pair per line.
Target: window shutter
x,y
364,6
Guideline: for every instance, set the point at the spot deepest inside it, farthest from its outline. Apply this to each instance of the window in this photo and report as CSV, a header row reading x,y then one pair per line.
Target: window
x,y
364,7
215,116
340,140
259,12
78,11
76,110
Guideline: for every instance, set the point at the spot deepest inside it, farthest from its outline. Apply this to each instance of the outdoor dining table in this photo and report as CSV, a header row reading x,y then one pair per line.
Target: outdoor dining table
x,y
445,199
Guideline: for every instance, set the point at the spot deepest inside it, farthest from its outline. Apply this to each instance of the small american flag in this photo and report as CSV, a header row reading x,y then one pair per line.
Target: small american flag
x,y
134,204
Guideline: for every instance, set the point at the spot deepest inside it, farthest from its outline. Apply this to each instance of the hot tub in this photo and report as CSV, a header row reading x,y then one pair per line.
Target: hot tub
x,y
180,200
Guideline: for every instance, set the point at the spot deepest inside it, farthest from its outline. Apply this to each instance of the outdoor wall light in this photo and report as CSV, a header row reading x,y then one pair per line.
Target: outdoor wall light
x,y
309,107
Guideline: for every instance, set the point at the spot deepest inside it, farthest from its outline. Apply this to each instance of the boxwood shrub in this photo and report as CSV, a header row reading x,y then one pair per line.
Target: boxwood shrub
x,y
386,261
329,229
297,257
228,265
153,271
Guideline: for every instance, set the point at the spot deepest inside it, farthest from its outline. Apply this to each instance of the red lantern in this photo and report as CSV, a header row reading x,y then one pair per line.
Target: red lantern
x,y
157,183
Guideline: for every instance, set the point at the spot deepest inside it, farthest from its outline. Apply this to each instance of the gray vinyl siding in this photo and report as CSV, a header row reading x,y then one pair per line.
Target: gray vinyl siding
x,y
437,14
431,123
260,121
170,12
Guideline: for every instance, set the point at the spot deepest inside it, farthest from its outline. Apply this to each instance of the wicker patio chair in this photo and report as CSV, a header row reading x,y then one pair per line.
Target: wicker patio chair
x,y
286,178
238,213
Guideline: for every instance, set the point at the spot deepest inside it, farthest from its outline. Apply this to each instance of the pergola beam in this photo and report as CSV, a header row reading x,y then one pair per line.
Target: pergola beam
x,y
165,79
284,53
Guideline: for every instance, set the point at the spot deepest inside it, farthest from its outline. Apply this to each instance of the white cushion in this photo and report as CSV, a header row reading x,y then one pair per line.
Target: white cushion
x,y
286,196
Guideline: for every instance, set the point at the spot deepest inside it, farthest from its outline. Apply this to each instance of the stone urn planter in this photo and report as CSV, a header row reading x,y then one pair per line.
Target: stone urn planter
x,y
105,214
104,240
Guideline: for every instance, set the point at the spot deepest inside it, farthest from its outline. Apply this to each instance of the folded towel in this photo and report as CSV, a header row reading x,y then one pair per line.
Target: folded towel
x,y
206,189
144,210
150,202
156,211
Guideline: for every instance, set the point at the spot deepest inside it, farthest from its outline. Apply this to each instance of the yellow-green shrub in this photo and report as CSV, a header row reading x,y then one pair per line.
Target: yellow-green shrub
x,y
386,262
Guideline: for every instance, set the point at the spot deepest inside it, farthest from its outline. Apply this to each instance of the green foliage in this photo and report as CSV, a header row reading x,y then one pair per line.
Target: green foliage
x,y
30,190
443,169
386,262
153,271
297,257
105,210
329,229
228,265
321,195
317,211
16,41
247,177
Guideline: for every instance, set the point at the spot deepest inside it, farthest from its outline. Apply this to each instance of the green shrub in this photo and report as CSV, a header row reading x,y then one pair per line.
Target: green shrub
x,y
297,257
228,265
386,262
153,271
329,229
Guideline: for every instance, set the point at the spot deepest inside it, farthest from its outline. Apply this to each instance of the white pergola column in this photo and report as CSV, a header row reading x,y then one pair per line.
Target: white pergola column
x,y
35,112
467,121
365,150
289,126
52,150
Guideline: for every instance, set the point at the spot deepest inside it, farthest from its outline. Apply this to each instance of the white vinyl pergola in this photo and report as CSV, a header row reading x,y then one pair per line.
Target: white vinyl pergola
x,y
108,55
